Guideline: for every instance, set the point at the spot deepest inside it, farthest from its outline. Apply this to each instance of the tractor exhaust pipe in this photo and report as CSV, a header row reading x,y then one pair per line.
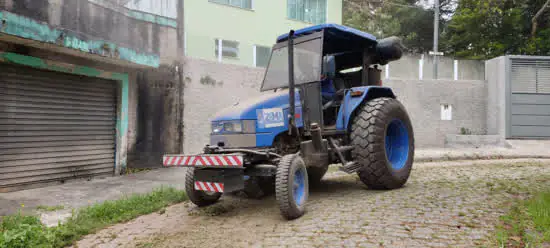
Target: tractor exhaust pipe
x,y
291,85
389,49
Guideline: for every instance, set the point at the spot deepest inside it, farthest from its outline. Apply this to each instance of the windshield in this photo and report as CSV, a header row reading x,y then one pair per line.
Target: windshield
x,y
307,65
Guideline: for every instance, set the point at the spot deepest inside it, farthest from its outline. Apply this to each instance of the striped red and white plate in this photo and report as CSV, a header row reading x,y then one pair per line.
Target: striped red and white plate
x,y
208,186
213,161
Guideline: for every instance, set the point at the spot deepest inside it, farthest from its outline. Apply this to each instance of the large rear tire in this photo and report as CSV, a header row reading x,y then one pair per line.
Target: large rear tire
x,y
199,198
291,186
383,141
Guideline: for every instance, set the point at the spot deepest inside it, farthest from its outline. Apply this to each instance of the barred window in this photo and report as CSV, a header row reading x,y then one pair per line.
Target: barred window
x,y
245,4
312,11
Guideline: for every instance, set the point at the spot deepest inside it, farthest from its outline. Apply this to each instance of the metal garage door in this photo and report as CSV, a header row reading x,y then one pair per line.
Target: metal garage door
x,y
530,98
54,127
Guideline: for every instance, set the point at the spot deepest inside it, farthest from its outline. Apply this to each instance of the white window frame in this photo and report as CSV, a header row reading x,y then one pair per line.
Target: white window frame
x,y
220,50
230,5
305,21
255,62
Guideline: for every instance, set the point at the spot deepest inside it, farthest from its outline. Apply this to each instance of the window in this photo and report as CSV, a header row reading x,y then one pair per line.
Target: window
x,y
230,49
167,8
307,65
245,4
313,11
261,56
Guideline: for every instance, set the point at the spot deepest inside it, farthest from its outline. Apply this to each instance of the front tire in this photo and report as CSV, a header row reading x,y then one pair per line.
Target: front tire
x,y
199,198
291,186
383,141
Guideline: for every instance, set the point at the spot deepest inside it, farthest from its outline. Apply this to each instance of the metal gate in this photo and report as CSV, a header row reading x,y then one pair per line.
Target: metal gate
x,y
530,98
54,127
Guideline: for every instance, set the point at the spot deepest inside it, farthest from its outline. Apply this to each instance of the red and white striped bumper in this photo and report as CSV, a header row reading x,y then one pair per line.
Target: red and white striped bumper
x,y
208,186
205,161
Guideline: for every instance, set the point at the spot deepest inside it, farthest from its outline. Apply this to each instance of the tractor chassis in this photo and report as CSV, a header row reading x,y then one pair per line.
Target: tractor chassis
x,y
226,178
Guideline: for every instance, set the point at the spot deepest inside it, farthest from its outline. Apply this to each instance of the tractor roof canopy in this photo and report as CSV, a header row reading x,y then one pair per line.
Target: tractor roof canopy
x,y
311,44
337,38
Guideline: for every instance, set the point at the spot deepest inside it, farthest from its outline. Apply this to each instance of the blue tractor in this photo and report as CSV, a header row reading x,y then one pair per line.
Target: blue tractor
x,y
323,104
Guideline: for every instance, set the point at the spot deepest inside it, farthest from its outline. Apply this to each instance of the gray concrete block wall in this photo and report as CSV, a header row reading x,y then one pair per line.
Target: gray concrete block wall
x,y
422,98
210,87
132,110
471,70
496,96
408,68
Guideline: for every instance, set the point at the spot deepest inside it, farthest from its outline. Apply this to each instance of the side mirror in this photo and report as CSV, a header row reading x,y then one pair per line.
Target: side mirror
x,y
388,49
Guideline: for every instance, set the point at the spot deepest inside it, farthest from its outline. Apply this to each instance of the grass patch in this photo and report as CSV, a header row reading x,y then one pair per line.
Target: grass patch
x,y
136,170
27,231
50,208
527,224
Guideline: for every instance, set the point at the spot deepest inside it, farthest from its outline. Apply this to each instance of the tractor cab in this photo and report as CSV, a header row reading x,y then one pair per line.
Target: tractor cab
x,y
329,60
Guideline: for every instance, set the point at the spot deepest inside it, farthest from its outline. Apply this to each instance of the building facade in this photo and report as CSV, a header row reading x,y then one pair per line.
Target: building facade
x,y
244,29
247,29
87,88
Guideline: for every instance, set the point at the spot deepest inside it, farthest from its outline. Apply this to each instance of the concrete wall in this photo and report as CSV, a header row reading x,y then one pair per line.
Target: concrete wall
x,y
97,27
408,68
423,100
496,96
211,86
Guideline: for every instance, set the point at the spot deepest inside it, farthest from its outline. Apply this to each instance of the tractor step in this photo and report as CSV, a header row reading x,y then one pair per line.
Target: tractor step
x,y
351,167
348,167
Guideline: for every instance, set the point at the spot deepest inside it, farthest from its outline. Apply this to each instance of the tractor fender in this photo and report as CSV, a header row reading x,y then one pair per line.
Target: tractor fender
x,y
352,101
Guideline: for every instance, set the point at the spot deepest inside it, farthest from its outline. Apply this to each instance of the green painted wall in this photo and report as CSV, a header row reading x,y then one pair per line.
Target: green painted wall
x,y
206,21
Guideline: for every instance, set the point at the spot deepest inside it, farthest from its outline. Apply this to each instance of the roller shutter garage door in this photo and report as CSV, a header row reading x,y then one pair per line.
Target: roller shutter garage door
x,y
54,127
530,99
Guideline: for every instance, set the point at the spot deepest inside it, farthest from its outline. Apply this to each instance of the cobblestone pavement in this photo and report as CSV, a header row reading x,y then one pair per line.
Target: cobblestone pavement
x,y
451,204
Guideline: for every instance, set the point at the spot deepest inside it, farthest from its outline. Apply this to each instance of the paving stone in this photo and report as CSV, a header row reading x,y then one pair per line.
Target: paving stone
x,y
436,208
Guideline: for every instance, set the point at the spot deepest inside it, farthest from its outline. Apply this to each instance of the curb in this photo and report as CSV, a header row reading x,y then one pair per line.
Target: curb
x,y
477,157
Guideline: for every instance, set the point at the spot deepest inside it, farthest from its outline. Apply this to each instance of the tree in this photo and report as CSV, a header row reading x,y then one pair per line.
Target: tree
x,y
491,28
402,18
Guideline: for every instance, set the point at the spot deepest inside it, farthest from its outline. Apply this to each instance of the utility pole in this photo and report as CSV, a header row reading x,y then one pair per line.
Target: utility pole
x,y
180,61
436,35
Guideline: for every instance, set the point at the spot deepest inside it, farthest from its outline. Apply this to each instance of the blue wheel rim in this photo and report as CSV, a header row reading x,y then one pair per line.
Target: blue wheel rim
x,y
299,188
397,144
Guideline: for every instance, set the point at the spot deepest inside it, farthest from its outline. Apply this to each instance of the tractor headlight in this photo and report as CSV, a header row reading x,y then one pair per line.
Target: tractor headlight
x,y
233,127
217,127
227,127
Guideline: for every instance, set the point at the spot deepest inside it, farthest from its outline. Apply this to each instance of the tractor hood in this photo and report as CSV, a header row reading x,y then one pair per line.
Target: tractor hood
x,y
247,110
